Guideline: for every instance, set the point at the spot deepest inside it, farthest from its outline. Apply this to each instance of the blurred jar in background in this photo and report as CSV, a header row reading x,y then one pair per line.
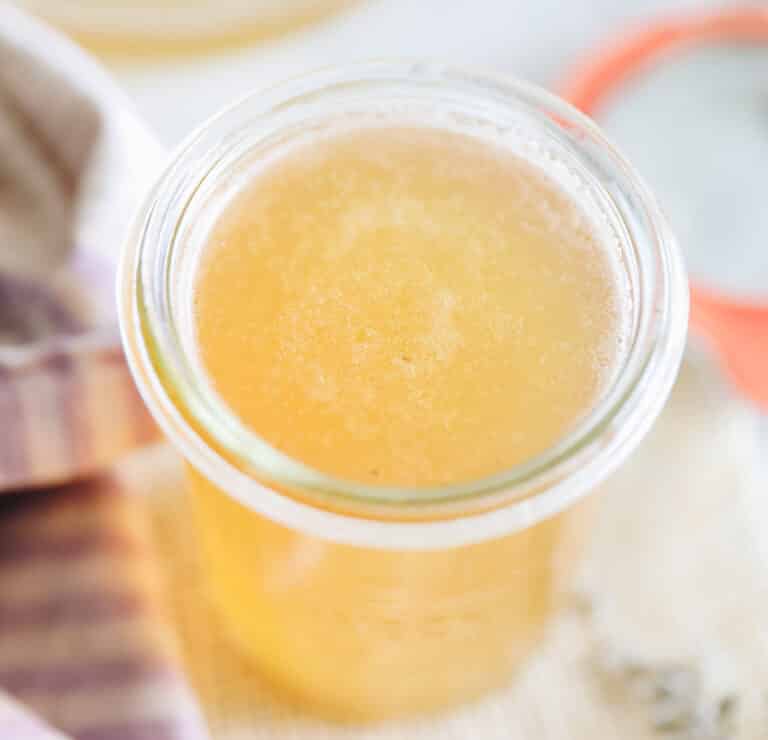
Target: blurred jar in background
x,y
668,92
170,26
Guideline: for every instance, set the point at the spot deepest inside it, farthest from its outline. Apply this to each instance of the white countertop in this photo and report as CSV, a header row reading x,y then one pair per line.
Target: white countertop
x,y
536,39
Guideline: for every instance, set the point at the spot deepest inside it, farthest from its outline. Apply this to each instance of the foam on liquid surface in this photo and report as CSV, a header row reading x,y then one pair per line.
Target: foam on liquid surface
x,y
407,306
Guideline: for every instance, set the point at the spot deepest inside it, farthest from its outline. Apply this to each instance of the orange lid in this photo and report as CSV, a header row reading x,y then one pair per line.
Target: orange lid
x,y
736,326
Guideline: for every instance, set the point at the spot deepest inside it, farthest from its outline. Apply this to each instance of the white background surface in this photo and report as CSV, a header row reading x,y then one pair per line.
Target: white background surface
x,y
536,39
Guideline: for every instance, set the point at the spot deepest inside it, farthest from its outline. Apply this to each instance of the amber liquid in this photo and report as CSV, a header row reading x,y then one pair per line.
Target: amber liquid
x,y
220,33
412,307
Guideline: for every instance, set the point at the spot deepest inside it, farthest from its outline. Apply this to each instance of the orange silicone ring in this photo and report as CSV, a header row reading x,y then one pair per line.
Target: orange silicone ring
x,y
737,328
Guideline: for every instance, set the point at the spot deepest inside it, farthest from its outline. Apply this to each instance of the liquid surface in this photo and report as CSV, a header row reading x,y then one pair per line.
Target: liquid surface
x,y
398,306
407,306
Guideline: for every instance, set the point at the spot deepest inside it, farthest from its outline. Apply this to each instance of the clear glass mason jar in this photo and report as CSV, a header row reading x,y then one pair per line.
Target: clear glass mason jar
x,y
365,601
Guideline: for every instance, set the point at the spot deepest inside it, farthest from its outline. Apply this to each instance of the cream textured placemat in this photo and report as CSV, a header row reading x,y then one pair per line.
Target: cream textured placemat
x,y
666,638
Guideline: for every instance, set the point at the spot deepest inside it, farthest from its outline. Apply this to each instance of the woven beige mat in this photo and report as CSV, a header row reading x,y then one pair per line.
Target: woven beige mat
x,y
667,638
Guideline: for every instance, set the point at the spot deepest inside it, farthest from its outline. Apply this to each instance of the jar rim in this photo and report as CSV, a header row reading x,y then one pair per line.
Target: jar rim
x,y
237,460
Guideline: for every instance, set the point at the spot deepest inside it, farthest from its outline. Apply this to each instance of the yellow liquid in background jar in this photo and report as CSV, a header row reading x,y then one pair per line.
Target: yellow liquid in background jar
x,y
142,29
412,307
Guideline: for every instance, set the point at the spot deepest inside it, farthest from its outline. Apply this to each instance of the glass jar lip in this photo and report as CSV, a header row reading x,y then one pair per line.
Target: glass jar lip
x,y
513,498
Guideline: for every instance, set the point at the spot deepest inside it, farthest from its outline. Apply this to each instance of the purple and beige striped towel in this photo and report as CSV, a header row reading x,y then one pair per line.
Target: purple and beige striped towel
x,y
85,643
68,407
86,649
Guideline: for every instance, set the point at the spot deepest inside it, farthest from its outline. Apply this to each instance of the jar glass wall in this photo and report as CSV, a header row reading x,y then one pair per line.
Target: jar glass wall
x,y
371,601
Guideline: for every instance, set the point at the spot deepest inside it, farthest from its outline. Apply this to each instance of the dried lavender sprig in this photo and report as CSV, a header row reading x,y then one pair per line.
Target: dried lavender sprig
x,y
674,694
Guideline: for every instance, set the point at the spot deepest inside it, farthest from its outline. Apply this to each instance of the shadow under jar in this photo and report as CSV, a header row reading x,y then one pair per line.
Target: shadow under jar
x,y
400,319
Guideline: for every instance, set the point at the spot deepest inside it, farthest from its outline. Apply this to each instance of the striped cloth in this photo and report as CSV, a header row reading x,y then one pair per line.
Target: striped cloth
x,y
68,407
85,642
86,649
67,414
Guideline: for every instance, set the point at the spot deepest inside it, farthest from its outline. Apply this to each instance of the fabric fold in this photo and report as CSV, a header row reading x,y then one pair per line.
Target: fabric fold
x,y
48,131
68,405
85,639
19,724
86,646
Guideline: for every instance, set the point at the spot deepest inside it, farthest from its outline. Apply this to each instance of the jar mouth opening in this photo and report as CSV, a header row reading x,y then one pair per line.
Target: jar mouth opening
x,y
212,437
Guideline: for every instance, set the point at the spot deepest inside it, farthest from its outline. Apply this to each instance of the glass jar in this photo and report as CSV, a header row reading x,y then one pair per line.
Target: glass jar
x,y
160,26
364,601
